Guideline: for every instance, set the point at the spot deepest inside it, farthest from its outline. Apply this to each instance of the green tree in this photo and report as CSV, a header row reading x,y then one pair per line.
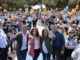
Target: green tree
x,y
50,3
4,6
78,2
55,3
72,3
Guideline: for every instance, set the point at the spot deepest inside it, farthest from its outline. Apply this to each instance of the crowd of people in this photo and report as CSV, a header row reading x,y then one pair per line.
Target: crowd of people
x,y
60,37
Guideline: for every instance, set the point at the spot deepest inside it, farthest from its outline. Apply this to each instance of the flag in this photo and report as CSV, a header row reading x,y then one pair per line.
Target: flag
x,y
68,12
5,10
73,10
56,9
66,8
31,11
40,10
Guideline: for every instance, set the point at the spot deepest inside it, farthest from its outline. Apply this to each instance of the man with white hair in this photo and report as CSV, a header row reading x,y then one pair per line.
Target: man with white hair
x,y
3,43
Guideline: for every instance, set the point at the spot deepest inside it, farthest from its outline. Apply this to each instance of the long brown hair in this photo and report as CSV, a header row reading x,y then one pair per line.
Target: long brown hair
x,y
37,33
7,27
44,31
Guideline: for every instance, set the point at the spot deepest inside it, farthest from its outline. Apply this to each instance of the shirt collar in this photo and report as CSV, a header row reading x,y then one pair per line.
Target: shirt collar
x,y
1,29
24,34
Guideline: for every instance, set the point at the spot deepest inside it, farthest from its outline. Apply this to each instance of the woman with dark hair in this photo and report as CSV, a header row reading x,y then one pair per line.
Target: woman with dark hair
x,y
10,34
47,49
35,43
8,27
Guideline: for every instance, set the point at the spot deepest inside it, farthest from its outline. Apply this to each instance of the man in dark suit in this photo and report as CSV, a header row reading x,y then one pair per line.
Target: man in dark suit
x,y
22,43
58,43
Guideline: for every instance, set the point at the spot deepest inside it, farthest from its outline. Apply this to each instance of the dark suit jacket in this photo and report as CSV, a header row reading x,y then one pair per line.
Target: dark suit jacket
x,y
48,44
18,37
59,41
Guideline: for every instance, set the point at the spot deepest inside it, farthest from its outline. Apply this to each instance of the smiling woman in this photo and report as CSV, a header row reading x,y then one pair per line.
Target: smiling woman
x,y
70,43
35,43
47,49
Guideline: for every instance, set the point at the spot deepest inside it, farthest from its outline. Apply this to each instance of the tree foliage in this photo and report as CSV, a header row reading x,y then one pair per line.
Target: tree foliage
x,y
16,4
72,3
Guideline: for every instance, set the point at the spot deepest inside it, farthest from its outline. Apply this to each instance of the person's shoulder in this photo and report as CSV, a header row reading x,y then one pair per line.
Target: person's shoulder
x,y
4,29
58,32
19,33
49,38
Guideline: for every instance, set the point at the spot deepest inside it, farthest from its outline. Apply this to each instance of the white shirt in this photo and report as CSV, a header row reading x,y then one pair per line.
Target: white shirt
x,y
30,19
69,42
44,49
3,39
69,28
24,42
36,44
78,17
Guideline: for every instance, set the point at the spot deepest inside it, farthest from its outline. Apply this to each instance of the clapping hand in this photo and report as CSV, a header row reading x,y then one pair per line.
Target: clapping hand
x,y
73,43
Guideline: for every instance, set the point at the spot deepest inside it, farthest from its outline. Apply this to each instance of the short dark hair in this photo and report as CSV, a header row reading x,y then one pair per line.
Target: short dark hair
x,y
37,33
